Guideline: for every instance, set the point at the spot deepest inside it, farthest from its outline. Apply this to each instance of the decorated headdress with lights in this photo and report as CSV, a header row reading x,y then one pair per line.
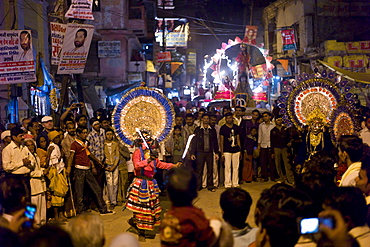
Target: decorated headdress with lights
x,y
144,109
316,116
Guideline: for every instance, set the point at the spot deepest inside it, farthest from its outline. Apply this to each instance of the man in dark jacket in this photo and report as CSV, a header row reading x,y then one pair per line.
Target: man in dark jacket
x,y
204,146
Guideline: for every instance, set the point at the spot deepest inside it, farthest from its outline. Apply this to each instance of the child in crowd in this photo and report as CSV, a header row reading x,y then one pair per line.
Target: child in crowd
x,y
58,183
111,154
184,224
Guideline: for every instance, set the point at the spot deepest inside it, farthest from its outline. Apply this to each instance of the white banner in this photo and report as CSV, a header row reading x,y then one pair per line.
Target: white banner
x,y
17,62
80,9
58,31
75,49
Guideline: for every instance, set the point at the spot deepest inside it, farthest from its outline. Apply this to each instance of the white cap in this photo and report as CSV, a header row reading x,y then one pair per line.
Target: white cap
x,y
5,134
46,119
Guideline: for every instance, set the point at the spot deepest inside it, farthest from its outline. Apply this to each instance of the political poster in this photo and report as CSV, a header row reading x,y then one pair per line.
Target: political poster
x,y
58,31
75,48
109,49
288,39
80,9
17,62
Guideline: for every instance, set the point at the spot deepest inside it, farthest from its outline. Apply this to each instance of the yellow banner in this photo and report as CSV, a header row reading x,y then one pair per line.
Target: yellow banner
x,y
355,61
335,61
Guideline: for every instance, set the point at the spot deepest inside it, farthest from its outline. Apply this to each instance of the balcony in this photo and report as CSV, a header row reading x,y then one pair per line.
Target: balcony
x,y
137,22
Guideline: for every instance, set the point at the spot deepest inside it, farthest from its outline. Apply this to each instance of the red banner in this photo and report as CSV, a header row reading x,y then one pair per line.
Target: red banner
x,y
288,39
164,57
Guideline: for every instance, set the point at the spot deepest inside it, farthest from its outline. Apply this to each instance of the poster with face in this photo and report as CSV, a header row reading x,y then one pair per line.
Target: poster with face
x,y
250,35
75,48
17,62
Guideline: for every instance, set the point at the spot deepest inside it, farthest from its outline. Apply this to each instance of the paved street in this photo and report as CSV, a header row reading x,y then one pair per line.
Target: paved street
x,y
206,200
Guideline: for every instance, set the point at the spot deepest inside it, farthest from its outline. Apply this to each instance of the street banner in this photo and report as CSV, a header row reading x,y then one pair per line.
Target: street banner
x,y
80,9
177,38
75,48
250,35
288,39
58,31
17,62
164,57
109,49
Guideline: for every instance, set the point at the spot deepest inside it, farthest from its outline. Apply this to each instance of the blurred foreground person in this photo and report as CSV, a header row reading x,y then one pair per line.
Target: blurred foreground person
x,y
186,225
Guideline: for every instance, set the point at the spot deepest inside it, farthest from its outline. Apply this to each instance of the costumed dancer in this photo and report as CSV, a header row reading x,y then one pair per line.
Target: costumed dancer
x,y
315,139
143,193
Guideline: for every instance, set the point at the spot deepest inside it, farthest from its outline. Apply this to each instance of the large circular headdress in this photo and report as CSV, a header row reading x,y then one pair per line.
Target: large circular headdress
x,y
143,108
342,123
312,94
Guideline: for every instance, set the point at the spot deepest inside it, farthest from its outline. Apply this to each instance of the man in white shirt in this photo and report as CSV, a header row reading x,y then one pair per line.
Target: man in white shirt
x,y
264,148
16,158
350,152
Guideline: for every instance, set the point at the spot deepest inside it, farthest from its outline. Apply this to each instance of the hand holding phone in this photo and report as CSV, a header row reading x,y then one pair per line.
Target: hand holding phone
x,y
312,225
30,214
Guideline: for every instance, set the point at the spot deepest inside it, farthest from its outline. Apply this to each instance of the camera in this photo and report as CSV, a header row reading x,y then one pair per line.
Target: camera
x,y
30,214
311,225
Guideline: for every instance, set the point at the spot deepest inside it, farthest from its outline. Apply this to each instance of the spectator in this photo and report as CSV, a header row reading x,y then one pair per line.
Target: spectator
x,y
279,140
235,204
250,168
175,145
49,235
38,184
365,132
218,170
264,148
48,126
198,121
238,115
58,183
125,240
86,230
111,154
204,147
184,224
68,139
16,158
351,203
105,123
178,120
81,120
350,152
123,173
80,157
42,149
189,127
230,151
96,139
13,199
363,183
6,138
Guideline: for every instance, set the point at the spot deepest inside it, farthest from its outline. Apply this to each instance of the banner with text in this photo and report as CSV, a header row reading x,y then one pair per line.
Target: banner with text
x,y
75,48
109,49
58,31
288,39
80,9
17,62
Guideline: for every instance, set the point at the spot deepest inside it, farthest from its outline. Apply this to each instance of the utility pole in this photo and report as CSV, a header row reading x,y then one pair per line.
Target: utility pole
x,y
163,46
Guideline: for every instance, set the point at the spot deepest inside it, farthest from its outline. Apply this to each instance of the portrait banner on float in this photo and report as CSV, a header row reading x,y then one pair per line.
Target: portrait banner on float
x,y
75,48
80,9
250,35
58,30
17,62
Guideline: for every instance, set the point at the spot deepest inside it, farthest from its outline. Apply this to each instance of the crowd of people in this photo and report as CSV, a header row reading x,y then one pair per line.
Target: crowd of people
x,y
80,166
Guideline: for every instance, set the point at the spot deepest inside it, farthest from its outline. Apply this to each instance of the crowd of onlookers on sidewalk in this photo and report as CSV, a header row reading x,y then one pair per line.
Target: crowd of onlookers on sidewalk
x,y
80,166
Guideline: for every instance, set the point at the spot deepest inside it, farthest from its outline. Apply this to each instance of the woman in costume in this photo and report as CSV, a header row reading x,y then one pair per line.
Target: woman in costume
x,y
143,193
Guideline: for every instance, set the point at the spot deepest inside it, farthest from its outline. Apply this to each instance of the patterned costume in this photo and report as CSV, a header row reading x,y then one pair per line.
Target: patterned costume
x,y
143,198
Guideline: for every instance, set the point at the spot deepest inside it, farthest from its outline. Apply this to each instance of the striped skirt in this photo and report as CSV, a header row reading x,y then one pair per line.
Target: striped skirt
x,y
143,200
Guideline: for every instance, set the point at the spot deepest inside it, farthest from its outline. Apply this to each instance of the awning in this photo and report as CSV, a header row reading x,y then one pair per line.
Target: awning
x,y
355,76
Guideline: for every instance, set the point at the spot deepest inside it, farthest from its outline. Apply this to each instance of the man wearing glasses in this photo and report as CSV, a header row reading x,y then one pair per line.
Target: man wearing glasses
x,y
80,157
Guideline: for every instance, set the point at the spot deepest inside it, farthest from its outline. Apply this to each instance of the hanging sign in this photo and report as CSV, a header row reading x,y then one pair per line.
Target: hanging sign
x,y
288,39
58,31
17,62
75,48
80,9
